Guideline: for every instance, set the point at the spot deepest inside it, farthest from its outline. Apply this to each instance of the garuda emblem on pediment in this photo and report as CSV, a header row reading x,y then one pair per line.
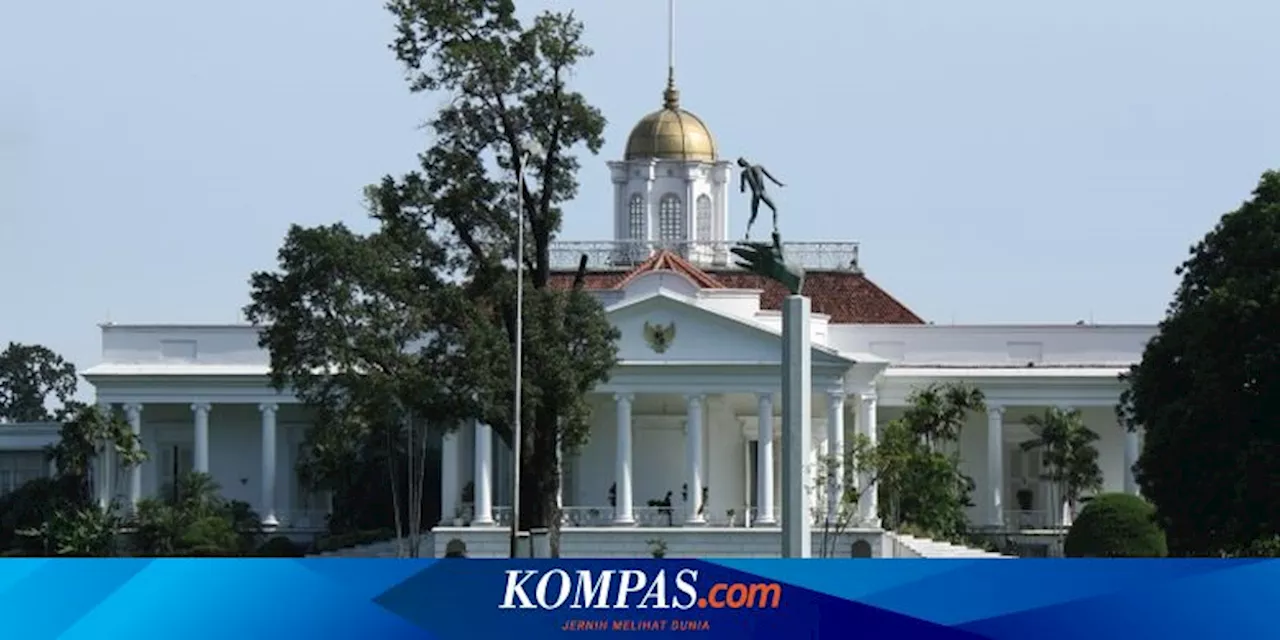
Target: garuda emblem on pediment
x,y
659,337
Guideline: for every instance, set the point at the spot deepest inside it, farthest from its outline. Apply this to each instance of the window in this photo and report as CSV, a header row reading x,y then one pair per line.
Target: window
x,y
20,467
704,217
670,218
635,217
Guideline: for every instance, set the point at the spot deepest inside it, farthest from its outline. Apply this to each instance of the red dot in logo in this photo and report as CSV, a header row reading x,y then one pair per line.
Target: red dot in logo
x,y
702,603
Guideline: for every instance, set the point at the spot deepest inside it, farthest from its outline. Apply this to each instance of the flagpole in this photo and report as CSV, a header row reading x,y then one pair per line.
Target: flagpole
x,y
517,432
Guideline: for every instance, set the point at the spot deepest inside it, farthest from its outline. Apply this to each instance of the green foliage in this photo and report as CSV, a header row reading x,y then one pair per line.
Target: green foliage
x,y
1266,547
1207,391
1070,457
56,516
85,435
211,532
1116,525
31,376
347,317
33,504
86,532
508,84
860,459
921,486
195,520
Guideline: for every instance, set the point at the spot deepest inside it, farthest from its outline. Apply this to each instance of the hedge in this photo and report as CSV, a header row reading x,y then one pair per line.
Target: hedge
x,y
1116,525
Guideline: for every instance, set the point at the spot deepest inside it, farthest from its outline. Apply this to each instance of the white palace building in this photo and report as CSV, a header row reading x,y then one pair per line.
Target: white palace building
x,y
691,410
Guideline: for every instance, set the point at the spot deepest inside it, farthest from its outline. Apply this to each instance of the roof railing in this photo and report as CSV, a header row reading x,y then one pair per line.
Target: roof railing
x,y
622,255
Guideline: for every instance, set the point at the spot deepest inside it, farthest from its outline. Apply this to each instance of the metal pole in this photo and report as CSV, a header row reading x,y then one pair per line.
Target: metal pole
x,y
516,429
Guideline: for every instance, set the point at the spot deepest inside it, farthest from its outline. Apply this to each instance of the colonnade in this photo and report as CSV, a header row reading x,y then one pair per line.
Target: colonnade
x,y
200,454
695,478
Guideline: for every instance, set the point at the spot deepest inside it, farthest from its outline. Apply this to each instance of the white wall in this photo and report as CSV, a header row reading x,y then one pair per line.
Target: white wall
x,y
1008,345
181,344
235,450
701,336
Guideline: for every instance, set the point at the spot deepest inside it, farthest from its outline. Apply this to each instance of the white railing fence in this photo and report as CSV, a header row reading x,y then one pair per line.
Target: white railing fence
x,y
625,254
1017,519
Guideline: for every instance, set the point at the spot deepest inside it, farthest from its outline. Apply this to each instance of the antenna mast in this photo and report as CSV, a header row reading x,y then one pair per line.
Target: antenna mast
x,y
671,39
671,97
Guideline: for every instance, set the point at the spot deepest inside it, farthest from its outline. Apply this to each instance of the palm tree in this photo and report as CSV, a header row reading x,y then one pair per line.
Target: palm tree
x,y
1070,459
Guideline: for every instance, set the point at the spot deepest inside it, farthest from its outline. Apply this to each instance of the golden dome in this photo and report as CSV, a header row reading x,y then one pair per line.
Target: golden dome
x,y
671,133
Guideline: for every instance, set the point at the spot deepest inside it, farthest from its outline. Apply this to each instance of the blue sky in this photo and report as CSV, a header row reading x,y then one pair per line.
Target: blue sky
x,y
999,160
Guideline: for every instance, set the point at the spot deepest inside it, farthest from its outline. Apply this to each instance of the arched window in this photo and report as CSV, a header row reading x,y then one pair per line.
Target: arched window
x,y
670,218
635,217
704,217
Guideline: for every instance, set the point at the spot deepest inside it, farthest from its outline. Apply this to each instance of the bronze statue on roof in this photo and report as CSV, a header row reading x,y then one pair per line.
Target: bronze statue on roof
x,y
758,257
754,175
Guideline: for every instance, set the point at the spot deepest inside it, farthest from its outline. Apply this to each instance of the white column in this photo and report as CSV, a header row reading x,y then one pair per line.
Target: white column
x,y
450,450
764,463
995,467
693,459
1131,450
268,506
201,453
835,454
622,492
869,503
621,208
134,413
484,476
104,465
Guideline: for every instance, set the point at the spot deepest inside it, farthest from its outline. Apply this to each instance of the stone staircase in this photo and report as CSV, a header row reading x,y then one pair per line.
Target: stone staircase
x,y
906,546
385,549
900,546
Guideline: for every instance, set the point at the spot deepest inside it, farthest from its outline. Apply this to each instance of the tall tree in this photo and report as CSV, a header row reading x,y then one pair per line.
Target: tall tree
x,y
30,377
1070,457
418,321
87,434
1207,391
508,84
358,328
921,483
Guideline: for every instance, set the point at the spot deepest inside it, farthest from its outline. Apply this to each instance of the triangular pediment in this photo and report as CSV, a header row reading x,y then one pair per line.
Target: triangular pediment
x,y
668,327
667,260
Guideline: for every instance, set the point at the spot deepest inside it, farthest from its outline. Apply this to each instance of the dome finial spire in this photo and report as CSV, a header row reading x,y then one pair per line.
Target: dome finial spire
x,y
671,96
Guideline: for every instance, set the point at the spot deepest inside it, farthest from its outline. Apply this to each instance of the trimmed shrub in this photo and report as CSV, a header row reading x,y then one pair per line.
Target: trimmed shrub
x,y
213,532
279,547
1116,525
1262,548
338,541
455,548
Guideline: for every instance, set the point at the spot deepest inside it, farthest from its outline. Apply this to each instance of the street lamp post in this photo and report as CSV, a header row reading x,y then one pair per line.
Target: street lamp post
x,y
529,149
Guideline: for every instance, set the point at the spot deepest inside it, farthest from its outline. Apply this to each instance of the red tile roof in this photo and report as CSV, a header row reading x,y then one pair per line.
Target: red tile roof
x,y
665,260
847,296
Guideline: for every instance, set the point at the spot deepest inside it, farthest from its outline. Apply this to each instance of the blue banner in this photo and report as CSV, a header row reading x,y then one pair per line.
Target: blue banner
x,y
138,599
